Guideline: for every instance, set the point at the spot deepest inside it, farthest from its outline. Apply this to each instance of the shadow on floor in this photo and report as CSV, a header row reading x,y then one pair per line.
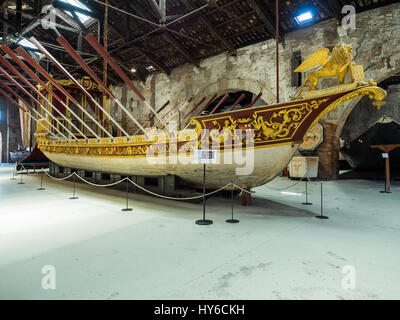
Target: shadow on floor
x,y
370,174
262,206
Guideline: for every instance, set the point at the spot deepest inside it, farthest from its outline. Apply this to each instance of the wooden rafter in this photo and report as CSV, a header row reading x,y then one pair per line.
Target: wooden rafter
x,y
167,36
326,6
264,16
190,5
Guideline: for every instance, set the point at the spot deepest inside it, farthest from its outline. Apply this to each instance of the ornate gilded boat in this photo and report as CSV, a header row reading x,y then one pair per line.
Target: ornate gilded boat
x,y
278,131
251,145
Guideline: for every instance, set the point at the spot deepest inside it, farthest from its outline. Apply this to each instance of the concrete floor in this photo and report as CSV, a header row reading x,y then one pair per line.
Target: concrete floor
x,y
277,251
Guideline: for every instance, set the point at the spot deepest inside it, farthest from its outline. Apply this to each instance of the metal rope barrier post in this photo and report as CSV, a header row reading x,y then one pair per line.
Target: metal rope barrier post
x,y
21,178
307,203
73,193
13,173
321,216
204,221
41,182
127,192
232,220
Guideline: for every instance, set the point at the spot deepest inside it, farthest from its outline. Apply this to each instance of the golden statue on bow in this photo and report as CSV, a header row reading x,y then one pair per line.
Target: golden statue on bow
x,y
338,65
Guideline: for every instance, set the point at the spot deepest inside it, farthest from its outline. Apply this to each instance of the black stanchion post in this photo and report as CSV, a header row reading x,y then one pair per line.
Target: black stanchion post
x,y
73,194
127,192
204,221
21,179
231,220
321,216
307,203
41,182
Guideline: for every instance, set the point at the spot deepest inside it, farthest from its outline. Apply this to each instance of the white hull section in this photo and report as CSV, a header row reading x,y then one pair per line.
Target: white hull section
x,y
241,170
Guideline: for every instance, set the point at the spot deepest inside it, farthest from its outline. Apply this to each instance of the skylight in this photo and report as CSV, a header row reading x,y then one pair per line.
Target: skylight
x,y
304,17
82,17
27,44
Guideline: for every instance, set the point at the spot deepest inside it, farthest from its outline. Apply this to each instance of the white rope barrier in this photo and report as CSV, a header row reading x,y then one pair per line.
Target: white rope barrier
x,y
297,182
99,185
157,194
32,174
59,179
173,198
139,186
160,195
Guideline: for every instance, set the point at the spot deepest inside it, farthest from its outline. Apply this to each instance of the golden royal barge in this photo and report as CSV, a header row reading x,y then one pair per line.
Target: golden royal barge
x,y
252,145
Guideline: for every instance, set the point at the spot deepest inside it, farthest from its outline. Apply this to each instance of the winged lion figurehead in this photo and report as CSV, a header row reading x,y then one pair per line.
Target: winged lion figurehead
x,y
337,65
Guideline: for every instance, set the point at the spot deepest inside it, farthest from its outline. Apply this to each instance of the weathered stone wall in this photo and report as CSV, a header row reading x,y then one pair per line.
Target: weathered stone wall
x,y
375,44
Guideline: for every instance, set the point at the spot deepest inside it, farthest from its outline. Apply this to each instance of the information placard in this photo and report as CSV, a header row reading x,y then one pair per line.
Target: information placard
x,y
205,156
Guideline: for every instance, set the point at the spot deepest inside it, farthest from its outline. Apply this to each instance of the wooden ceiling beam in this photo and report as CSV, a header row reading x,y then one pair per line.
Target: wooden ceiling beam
x,y
264,16
191,6
100,16
219,7
100,72
328,8
148,56
335,8
236,18
167,36
182,50
152,59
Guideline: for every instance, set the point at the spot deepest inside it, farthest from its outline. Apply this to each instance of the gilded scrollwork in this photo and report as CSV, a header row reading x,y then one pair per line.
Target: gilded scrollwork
x,y
269,125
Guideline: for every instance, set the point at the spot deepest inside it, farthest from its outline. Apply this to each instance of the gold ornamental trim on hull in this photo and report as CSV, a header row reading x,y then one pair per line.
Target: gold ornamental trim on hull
x,y
273,125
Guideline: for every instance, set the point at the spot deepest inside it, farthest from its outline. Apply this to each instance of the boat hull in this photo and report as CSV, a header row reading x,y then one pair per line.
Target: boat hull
x,y
257,168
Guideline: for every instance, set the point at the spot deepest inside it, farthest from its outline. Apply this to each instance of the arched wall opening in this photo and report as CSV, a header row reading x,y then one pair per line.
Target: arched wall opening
x,y
249,100
364,126
234,87
380,69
